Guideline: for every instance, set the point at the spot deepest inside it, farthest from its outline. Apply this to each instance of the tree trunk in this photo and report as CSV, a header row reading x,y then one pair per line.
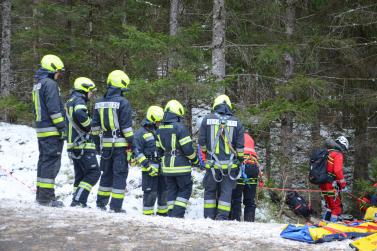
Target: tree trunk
x,y
174,13
218,40
287,118
5,70
174,25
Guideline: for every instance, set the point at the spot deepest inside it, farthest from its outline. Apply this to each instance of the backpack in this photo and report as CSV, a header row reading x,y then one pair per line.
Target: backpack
x,y
318,167
298,204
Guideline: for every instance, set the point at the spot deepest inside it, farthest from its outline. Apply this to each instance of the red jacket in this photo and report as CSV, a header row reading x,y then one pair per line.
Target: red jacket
x,y
335,166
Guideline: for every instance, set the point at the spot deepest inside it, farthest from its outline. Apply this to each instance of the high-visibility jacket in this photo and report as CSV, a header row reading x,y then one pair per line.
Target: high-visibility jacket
x,y
219,146
145,148
48,106
78,123
175,143
112,117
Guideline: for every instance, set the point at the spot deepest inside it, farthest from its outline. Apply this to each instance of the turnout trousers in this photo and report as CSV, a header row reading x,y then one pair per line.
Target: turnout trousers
x,y
50,154
218,195
154,189
114,167
179,189
245,188
248,192
87,174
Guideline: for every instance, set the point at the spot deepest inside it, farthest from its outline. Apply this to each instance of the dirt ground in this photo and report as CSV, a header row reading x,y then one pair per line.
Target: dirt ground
x,y
40,228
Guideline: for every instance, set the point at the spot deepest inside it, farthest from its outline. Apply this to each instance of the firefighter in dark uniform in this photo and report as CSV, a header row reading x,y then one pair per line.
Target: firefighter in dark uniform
x,y
112,121
247,184
153,182
50,127
80,147
178,158
221,138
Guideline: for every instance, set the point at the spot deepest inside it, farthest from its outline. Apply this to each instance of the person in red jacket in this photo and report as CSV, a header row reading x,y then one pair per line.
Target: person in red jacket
x,y
247,184
330,191
369,199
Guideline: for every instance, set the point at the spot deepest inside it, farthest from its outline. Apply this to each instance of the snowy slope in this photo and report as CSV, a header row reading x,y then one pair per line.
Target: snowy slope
x,y
19,155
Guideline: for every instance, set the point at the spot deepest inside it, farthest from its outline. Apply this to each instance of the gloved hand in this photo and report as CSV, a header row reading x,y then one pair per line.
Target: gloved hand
x,y
153,170
335,185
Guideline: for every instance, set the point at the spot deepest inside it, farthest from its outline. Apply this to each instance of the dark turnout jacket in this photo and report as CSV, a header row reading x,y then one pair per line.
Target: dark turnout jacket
x,y
48,107
219,146
144,145
112,117
176,144
78,122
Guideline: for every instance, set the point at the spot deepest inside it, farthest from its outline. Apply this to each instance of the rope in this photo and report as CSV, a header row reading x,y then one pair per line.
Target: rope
x,y
19,181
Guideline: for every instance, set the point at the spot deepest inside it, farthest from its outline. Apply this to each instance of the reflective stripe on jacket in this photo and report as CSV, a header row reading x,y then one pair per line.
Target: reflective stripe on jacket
x,y
113,116
78,114
48,107
176,144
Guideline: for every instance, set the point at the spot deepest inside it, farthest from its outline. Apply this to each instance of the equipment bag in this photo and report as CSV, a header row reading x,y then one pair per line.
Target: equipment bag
x,y
298,204
371,214
318,167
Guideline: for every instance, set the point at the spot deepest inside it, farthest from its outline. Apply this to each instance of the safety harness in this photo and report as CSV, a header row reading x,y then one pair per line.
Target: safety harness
x,y
223,130
114,138
82,137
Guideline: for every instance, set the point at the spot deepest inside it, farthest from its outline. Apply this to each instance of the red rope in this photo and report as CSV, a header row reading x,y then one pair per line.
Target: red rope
x,y
20,181
293,190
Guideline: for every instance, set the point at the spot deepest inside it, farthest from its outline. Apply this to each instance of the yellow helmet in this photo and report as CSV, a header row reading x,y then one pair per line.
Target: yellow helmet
x,y
221,100
175,107
155,113
84,84
52,63
118,79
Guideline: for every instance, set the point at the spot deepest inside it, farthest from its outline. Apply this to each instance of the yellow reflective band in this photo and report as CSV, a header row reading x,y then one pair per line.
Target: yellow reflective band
x,y
185,140
179,169
116,144
192,156
208,205
128,134
85,185
147,135
160,142
226,143
86,122
224,208
35,99
148,212
145,169
58,120
70,125
240,154
88,146
101,115
117,195
104,193
47,134
180,203
217,147
163,211
165,127
111,118
45,185
141,159
170,207
78,107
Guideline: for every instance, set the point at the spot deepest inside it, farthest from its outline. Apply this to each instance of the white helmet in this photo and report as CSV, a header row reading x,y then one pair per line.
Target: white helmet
x,y
343,140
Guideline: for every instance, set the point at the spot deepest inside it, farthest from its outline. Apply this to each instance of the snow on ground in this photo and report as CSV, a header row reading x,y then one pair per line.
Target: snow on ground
x,y
19,155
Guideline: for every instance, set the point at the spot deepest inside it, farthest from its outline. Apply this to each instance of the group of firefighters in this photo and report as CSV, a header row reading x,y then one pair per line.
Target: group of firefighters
x,y
162,146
